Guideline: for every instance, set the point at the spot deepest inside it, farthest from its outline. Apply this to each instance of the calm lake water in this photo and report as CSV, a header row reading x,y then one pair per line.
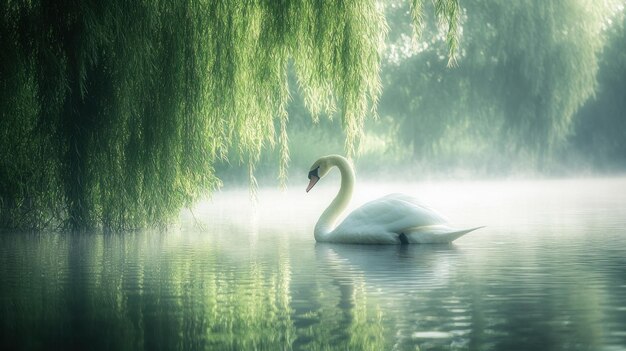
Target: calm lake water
x,y
547,273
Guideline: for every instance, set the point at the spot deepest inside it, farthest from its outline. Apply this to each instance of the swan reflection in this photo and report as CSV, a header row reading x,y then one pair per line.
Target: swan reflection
x,y
395,278
400,268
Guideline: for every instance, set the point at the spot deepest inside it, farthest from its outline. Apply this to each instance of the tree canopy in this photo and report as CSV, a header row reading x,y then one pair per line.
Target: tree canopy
x,y
524,69
113,113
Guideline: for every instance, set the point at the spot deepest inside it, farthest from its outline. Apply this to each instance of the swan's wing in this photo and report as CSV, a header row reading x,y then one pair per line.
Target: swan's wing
x,y
393,213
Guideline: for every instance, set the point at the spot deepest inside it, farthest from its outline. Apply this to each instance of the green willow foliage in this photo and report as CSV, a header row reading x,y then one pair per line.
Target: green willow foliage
x,y
447,12
549,70
113,113
600,131
524,69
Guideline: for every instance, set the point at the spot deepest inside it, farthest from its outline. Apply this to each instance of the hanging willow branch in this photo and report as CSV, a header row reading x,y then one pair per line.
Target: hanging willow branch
x,y
448,13
118,110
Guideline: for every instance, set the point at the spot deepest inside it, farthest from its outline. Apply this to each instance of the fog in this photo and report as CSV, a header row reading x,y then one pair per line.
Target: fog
x,y
547,273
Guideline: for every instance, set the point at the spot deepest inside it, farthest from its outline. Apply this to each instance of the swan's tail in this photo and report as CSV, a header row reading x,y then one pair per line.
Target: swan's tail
x,y
435,234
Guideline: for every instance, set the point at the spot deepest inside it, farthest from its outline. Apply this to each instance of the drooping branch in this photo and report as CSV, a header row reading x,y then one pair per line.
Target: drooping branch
x,y
141,98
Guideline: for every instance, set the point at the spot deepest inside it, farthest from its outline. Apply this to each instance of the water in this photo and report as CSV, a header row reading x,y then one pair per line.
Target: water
x,y
548,273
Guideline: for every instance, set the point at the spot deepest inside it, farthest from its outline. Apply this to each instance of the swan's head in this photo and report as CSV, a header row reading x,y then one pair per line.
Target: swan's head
x,y
319,169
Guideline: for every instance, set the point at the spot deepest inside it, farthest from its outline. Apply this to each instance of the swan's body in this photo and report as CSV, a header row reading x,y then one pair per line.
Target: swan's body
x,y
393,219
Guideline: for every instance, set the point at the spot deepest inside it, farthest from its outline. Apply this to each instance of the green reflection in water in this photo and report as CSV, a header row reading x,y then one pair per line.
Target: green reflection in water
x,y
345,320
534,281
147,291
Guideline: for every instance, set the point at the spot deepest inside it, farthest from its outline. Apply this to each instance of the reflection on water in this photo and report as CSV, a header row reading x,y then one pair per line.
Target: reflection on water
x,y
548,273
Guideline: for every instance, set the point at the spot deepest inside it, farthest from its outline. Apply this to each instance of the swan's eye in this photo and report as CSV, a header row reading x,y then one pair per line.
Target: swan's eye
x,y
313,173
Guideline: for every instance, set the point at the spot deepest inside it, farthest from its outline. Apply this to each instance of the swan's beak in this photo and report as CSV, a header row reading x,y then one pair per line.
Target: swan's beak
x,y
312,181
313,178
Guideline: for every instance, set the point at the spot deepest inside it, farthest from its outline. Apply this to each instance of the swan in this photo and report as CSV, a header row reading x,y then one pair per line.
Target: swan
x,y
392,219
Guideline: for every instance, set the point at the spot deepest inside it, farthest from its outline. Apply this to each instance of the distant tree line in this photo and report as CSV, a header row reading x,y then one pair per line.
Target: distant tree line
x,y
599,135
525,69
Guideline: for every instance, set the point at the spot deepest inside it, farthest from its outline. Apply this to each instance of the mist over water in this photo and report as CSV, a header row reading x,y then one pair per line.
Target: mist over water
x,y
115,115
547,273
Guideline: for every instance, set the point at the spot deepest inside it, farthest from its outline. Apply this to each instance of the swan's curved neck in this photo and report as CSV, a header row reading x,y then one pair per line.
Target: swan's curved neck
x,y
327,220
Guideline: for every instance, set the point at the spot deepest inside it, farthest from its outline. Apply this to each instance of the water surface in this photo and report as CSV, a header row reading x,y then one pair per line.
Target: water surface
x,y
548,273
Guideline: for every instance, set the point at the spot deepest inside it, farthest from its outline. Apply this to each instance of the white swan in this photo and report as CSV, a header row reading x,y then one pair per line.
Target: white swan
x,y
393,219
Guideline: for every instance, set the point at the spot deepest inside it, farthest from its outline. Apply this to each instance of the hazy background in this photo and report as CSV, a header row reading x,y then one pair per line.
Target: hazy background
x,y
525,98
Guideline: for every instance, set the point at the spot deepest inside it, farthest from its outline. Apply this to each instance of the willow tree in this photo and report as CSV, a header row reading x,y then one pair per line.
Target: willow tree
x,y
600,132
523,70
114,112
